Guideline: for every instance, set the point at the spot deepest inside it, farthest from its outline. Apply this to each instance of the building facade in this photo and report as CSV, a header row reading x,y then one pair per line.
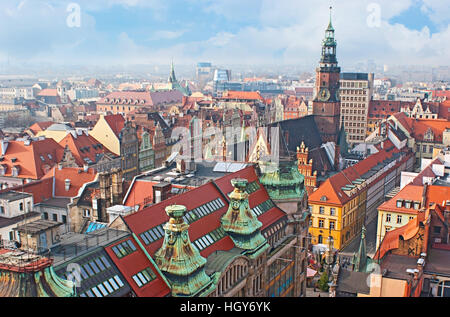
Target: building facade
x,y
355,92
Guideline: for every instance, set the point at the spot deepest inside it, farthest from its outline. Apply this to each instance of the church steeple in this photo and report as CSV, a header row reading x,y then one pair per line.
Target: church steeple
x,y
329,46
172,77
360,258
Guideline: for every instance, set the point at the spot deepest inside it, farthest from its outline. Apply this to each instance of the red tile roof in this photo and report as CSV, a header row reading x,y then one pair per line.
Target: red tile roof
x,y
444,109
135,263
332,187
40,126
409,192
421,126
83,147
33,160
48,92
391,240
116,123
77,178
242,95
142,98
41,189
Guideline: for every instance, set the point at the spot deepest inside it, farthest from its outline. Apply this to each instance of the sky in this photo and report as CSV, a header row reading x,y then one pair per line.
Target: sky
x,y
257,32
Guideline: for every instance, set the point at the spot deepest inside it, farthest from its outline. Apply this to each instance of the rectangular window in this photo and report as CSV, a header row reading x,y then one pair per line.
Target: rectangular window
x,y
388,217
55,217
123,249
322,210
332,225
64,219
399,219
321,223
333,211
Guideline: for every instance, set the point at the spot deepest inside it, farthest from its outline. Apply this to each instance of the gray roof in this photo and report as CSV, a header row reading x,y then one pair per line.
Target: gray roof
x,y
73,245
96,268
352,282
219,260
13,195
5,222
60,202
38,226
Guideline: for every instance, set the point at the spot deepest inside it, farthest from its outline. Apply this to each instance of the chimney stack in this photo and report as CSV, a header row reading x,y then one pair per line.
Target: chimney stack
x,y
67,184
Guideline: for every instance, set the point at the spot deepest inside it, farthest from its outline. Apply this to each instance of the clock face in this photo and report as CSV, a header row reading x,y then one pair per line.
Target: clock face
x,y
324,94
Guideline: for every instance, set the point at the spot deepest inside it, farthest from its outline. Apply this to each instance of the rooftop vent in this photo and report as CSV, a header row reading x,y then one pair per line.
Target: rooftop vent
x,y
67,184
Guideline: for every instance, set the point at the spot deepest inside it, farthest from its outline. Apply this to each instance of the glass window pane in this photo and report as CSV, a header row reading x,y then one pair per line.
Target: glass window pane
x,y
90,294
147,276
96,292
149,237
153,235
108,287
113,284
161,230
88,269
83,273
142,277
100,264
118,280
144,238
137,280
103,290
94,266
131,245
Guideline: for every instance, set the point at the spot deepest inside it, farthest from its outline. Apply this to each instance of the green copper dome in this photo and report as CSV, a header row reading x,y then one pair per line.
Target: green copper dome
x,y
180,262
239,222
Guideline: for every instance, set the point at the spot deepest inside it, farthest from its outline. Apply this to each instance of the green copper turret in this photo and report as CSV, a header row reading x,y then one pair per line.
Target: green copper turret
x,y
180,262
240,223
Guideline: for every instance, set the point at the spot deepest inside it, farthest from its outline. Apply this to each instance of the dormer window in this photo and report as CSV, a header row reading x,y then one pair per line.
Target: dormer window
x,y
3,170
408,204
416,205
399,203
14,160
15,171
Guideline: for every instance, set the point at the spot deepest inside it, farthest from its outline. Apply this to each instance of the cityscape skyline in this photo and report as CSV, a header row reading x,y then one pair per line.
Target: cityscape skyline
x,y
133,32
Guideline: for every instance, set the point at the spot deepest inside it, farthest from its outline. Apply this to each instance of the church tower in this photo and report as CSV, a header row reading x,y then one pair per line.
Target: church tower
x,y
326,103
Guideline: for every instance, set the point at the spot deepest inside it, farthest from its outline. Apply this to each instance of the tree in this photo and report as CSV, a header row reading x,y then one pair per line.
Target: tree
x,y
323,282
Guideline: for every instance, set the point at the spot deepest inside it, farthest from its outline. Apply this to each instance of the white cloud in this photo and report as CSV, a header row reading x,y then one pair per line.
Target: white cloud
x,y
167,35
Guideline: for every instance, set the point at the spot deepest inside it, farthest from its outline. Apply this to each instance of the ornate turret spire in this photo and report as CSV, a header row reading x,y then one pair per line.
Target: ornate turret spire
x,y
329,46
241,224
181,263
360,258
330,25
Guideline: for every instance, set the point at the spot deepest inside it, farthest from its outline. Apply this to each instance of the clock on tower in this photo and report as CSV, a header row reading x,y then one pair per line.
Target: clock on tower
x,y
326,104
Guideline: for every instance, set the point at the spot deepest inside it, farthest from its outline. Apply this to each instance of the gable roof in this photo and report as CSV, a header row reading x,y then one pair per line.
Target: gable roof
x,y
77,178
84,148
32,160
332,187
242,95
116,122
40,126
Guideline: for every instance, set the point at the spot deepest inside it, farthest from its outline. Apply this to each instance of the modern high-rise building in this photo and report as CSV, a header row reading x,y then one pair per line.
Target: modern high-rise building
x,y
326,102
356,92
204,71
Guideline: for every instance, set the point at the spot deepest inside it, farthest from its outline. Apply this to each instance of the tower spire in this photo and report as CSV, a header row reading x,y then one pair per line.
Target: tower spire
x,y
330,25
